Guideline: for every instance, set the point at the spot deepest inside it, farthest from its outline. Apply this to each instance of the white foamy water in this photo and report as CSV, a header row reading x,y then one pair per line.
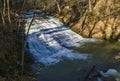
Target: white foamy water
x,y
48,39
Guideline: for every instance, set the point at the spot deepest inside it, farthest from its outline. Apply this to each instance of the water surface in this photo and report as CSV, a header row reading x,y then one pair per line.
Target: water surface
x,y
101,53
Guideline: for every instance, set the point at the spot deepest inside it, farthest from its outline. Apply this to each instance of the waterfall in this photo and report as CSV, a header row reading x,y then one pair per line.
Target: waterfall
x,y
49,40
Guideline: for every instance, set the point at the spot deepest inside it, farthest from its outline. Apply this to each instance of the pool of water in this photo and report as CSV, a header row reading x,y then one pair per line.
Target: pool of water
x,y
100,53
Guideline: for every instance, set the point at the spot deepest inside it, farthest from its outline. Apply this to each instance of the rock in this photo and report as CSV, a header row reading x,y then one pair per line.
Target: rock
x,y
117,57
113,74
108,79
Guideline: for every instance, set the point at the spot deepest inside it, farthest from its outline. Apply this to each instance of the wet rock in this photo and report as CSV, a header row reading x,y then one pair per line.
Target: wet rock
x,y
117,57
108,79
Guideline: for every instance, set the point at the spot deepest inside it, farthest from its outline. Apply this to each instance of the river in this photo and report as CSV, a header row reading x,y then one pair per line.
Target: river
x,y
62,55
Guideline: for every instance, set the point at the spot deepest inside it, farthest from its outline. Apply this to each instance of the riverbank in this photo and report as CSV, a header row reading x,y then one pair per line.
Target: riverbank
x,y
10,56
100,21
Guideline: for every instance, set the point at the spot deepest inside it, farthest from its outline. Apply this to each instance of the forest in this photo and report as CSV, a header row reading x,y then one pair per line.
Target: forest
x,y
32,28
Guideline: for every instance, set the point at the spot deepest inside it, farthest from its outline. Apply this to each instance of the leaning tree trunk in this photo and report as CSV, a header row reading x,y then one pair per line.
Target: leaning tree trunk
x,y
58,6
3,19
2,12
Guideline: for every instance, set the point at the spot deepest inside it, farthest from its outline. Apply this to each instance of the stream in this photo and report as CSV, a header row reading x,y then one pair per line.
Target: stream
x,y
62,55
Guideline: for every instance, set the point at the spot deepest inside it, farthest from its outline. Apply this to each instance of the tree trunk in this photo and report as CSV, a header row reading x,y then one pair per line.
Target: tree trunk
x,y
82,20
3,19
2,13
23,5
58,6
90,6
4,7
8,12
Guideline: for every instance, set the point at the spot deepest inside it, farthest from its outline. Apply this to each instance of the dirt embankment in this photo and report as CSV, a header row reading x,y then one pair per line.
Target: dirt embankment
x,y
102,22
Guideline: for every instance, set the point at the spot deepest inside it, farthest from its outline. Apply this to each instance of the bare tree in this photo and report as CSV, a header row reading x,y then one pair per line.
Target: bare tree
x,y
58,6
2,13
90,6
8,11
4,7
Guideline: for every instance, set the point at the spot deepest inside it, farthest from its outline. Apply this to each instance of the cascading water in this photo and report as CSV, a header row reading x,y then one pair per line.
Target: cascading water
x,y
48,40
